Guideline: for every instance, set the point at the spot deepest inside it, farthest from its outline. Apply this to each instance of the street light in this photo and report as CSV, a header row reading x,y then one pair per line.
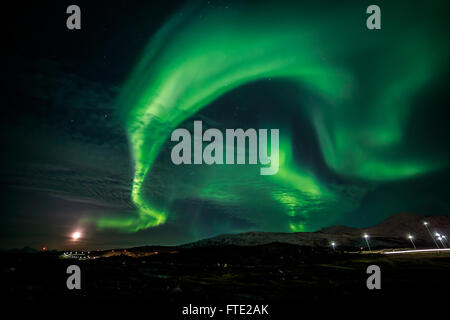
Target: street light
x,y
333,244
445,239
426,226
439,237
412,241
366,237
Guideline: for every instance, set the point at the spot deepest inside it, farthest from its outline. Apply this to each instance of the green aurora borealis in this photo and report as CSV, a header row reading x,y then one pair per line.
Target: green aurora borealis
x,y
85,137
357,111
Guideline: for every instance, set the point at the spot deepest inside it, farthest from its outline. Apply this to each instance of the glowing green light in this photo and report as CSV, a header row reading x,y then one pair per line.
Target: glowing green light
x,y
190,62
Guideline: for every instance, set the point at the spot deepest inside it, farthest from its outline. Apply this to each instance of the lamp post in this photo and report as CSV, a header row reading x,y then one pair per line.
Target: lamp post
x,y
426,226
445,239
366,237
439,237
410,237
333,244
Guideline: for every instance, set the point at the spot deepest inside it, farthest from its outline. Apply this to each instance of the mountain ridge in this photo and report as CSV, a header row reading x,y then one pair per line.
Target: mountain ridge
x,y
391,232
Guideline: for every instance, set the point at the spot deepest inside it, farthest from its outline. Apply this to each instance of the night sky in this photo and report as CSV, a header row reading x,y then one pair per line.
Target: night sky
x,y
87,115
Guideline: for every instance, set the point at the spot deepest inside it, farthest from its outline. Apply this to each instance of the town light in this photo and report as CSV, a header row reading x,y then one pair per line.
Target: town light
x,y
366,237
428,229
410,237
333,244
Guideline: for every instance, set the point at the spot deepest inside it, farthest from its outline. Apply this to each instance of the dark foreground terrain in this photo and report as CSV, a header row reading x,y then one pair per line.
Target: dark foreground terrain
x,y
275,274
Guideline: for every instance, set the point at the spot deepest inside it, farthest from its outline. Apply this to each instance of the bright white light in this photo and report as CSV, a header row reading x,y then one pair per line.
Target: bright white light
x,y
76,235
425,223
366,236
333,244
437,234
420,250
410,236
